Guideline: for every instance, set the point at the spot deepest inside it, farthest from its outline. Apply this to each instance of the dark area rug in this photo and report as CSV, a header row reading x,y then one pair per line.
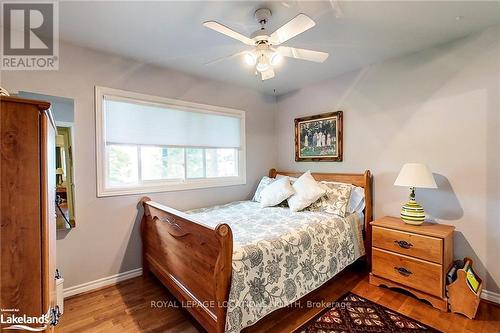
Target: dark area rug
x,y
354,314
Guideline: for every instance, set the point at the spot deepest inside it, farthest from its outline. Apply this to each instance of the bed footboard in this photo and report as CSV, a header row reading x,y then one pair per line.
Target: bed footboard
x,y
191,259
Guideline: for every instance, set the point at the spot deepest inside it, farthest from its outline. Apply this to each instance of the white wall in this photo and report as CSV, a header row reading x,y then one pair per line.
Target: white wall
x,y
439,106
106,239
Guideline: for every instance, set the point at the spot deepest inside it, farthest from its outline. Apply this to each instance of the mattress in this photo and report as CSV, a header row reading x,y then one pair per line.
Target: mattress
x,y
280,256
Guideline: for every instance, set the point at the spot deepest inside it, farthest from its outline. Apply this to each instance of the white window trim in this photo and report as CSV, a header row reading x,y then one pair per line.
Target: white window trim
x,y
164,186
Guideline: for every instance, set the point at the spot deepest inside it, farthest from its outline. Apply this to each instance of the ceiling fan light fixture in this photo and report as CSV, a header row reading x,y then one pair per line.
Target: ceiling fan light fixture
x,y
266,54
250,59
276,59
262,67
263,63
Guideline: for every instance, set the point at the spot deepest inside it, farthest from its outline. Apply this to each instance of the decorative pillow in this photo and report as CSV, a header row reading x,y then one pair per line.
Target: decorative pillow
x,y
292,179
277,192
336,199
307,191
357,200
264,182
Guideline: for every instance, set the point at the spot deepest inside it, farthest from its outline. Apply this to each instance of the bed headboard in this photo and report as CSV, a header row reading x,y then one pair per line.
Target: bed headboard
x,y
363,180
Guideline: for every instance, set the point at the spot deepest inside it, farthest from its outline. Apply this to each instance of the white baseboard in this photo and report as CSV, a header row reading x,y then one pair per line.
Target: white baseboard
x,y
106,281
490,296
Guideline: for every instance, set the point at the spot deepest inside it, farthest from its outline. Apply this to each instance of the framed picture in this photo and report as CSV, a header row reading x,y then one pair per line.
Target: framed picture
x,y
319,138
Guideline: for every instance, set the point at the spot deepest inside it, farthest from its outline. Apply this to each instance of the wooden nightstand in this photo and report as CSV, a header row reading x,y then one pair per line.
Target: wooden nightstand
x,y
413,258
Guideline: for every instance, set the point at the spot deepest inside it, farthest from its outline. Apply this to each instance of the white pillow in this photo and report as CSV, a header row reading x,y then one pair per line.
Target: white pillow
x,y
277,192
357,200
264,182
307,191
292,179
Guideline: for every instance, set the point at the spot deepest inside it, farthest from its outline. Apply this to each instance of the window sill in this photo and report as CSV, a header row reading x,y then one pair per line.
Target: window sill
x,y
171,187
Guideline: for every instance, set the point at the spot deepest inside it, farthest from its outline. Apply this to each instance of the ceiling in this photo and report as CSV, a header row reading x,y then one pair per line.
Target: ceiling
x,y
356,34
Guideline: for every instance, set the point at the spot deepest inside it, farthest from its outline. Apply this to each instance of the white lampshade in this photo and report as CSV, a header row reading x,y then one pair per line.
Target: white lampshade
x,y
415,175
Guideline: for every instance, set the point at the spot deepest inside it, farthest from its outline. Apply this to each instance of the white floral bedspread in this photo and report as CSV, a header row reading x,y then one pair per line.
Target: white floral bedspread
x,y
280,255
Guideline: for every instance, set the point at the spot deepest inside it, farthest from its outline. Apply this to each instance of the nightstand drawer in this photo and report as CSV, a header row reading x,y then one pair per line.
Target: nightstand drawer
x,y
419,246
415,273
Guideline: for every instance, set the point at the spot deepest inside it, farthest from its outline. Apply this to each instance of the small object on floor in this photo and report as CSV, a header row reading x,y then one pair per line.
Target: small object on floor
x,y
464,293
452,273
355,314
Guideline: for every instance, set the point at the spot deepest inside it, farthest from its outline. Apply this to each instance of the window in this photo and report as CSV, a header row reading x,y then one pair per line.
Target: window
x,y
153,144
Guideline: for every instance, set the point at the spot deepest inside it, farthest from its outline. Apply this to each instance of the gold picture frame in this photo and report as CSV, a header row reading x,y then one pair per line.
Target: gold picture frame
x,y
319,138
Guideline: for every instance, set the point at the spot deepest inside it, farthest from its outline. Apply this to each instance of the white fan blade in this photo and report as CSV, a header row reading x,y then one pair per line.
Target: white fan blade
x,y
228,32
266,75
225,57
303,54
295,26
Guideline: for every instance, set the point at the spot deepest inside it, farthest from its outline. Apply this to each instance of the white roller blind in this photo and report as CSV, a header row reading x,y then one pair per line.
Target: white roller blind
x,y
136,123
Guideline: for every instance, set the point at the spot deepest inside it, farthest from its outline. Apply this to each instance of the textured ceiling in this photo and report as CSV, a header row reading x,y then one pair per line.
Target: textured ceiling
x,y
356,34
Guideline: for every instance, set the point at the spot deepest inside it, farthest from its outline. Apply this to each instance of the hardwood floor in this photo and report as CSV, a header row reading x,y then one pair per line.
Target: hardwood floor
x,y
127,307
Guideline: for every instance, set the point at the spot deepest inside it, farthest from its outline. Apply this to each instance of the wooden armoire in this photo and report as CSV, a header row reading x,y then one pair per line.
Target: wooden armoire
x,y
27,209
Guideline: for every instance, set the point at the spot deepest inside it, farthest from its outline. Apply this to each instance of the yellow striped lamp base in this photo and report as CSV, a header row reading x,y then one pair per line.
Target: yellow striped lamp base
x,y
412,213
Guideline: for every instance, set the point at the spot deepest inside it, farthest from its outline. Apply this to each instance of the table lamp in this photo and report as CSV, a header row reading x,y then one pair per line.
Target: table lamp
x,y
414,175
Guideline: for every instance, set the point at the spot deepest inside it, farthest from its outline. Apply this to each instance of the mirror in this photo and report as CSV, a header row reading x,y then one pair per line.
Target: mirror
x,y
63,112
65,210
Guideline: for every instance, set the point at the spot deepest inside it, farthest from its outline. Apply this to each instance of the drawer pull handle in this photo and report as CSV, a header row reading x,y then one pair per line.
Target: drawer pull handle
x,y
403,244
403,271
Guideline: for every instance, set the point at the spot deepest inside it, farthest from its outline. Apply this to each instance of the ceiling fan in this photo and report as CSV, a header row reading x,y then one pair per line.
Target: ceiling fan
x,y
266,53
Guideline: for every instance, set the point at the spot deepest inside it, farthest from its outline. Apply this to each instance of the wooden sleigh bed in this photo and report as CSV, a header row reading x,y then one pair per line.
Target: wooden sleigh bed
x,y
194,260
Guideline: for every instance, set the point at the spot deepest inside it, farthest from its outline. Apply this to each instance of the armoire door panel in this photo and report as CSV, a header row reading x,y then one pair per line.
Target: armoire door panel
x,y
20,208
27,207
